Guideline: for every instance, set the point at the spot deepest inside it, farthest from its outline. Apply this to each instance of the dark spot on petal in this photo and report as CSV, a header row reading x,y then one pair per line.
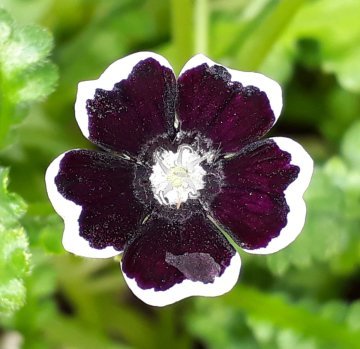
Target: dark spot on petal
x,y
165,253
195,266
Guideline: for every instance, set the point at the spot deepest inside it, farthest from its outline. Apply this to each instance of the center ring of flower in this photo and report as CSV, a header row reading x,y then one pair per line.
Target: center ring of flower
x,y
177,176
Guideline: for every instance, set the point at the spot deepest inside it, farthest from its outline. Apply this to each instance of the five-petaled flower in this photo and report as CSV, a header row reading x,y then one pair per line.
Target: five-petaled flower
x,y
179,161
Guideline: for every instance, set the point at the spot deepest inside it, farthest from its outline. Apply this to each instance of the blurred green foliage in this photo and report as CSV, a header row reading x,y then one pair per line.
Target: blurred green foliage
x,y
304,297
14,249
25,73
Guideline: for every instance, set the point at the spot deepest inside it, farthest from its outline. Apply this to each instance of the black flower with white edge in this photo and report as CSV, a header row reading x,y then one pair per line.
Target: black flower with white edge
x,y
179,160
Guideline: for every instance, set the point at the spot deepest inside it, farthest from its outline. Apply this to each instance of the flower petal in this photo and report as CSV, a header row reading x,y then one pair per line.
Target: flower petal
x,y
131,103
261,203
230,107
169,261
92,192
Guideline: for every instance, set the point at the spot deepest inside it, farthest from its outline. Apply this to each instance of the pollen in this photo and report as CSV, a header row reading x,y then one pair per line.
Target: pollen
x,y
177,176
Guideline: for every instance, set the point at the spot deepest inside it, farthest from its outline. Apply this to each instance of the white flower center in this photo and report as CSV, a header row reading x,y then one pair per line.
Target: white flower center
x,y
177,177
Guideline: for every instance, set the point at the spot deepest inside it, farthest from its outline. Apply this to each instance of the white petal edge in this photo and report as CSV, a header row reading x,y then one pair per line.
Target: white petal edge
x,y
70,212
117,71
188,288
293,196
265,84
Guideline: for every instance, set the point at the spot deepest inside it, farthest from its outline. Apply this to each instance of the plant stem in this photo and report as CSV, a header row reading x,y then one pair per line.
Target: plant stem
x,y
255,50
4,112
182,30
201,23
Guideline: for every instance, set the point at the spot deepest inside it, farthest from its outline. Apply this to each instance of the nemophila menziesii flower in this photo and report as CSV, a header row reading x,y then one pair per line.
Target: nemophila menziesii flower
x,y
179,161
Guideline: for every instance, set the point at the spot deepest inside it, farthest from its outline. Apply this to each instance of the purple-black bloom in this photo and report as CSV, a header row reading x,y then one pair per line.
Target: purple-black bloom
x,y
179,161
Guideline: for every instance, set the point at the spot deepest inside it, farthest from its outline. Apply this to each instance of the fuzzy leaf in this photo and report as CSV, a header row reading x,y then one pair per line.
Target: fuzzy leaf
x,y
27,46
26,75
12,296
12,206
37,83
14,252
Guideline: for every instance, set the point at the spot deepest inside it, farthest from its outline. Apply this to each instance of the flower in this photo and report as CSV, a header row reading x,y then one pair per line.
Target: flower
x,y
180,162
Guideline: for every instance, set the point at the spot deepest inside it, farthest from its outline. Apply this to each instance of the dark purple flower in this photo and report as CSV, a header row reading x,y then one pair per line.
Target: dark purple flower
x,y
179,161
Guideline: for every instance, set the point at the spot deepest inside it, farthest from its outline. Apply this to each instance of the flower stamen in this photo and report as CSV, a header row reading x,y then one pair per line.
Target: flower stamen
x,y
161,163
177,177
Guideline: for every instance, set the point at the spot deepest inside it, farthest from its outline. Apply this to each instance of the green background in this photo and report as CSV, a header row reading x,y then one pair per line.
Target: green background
x,y
304,297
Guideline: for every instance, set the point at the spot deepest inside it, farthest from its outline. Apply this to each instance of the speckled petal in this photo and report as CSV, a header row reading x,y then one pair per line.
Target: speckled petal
x,y
260,204
92,192
169,261
131,103
230,107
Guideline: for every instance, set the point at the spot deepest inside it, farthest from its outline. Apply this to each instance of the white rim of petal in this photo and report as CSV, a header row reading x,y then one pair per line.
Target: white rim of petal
x,y
293,196
270,87
70,212
117,71
188,288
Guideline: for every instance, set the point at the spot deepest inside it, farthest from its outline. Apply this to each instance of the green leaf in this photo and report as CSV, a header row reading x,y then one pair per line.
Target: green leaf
x,y
250,318
306,325
26,75
12,296
12,206
13,253
37,83
14,250
27,46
